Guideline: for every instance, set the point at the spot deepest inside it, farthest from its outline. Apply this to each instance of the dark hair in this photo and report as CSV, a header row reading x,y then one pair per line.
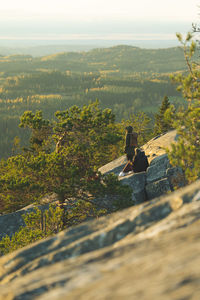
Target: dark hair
x,y
129,129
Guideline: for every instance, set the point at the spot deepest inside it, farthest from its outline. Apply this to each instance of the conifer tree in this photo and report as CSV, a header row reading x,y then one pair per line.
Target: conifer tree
x,y
63,158
161,124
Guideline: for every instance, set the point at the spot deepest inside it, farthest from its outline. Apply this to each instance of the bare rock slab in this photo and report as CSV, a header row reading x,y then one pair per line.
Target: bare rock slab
x,y
149,251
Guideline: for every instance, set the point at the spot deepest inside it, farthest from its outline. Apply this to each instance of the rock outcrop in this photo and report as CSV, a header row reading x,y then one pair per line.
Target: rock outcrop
x,y
148,251
159,179
154,148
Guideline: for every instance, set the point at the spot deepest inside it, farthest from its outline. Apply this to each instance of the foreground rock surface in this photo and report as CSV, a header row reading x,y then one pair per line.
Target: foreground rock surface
x,y
149,251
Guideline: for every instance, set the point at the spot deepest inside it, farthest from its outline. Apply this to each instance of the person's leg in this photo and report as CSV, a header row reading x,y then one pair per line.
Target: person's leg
x,y
128,167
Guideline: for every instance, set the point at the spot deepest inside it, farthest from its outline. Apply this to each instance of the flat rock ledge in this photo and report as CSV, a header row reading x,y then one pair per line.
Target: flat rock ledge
x,y
148,251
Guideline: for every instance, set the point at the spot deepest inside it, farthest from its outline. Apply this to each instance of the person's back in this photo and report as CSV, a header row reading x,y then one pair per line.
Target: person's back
x,y
140,163
133,139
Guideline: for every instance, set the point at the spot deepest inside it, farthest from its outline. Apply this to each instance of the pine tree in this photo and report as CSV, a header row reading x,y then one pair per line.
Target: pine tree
x,y
63,158
161,124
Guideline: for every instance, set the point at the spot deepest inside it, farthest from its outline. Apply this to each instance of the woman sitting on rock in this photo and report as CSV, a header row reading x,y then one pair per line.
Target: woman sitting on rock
x,y
131,144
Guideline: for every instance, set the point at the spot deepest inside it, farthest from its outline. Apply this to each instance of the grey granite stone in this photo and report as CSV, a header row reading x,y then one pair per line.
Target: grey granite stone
x,y
157,188
137,182
160,160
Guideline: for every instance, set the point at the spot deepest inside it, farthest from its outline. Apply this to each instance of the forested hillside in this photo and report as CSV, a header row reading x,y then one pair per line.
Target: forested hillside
x,y
61,157
124,78
119,58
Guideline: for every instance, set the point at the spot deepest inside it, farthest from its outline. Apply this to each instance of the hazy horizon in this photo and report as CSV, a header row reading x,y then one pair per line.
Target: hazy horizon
x,y
150,35
150,24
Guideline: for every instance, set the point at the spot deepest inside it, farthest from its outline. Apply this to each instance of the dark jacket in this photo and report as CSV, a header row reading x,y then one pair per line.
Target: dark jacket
x,y
128,147
140,163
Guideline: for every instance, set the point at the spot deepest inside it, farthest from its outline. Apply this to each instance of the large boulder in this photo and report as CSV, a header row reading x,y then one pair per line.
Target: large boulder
x,y
157,146
157,168
137,183
160,178
148,251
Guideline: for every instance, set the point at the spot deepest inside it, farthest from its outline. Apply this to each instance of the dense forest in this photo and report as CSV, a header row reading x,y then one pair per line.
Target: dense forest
x,y
124,78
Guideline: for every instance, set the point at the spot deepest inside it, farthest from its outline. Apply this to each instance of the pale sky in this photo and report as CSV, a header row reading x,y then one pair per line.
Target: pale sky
x,y
91,10
100,19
